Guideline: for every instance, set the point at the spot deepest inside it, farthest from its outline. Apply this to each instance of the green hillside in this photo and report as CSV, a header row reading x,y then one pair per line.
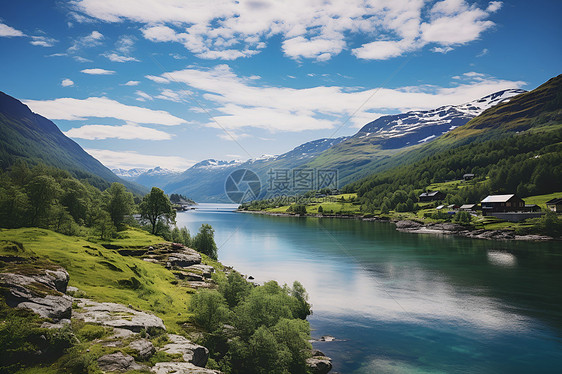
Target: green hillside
x,y
27,136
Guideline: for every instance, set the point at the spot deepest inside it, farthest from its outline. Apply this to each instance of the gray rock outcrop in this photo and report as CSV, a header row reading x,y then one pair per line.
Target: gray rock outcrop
x,y
116,315
180,368
41,293
143,348
118,362
319,364
191,352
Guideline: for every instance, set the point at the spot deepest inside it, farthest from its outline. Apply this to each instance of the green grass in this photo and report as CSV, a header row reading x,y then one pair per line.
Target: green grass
x,y
103,274
541,200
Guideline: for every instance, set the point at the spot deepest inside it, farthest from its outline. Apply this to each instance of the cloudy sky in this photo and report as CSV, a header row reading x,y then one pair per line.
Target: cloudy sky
x,y
145,83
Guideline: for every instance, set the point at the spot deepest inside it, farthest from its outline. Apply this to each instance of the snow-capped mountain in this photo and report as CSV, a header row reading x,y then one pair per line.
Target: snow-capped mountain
x,y
129,174
410,128
215,164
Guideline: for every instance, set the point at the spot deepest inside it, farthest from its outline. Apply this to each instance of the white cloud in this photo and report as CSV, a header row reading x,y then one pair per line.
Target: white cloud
x,y
8,32
114,57
157,79
443,50
143,96
313,29
123,49
81,59
232,136
454,22
484,52
97,71
494,6
130,160
132,83
383,50
91,40
176,96
67,83
240,103
95,132
100,107
43,41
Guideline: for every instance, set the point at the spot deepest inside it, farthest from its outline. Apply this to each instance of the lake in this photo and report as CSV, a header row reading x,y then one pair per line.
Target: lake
x,y
402,302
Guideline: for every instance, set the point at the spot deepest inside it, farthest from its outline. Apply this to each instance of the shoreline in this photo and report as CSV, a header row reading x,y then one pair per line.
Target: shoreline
x,y
415,227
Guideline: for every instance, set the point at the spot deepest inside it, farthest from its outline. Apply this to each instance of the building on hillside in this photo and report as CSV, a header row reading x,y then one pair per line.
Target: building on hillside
x,y
555,204
468,207
532,208
440,207
431,196
453,207
502,203
468,177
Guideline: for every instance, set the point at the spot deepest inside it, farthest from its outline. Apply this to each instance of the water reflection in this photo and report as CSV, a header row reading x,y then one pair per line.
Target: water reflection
x,y
405,301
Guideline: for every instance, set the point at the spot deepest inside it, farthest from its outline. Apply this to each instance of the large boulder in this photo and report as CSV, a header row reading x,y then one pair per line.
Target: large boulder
x,y
184,259
116,315
191,352
118,362
319,364
41,293
180,368
143,349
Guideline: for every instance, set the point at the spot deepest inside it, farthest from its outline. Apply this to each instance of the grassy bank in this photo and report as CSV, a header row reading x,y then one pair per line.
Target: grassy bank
x,y
347,205
106,276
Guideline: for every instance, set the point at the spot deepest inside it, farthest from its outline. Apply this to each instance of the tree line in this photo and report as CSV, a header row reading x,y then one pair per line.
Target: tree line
x,y
527,164
48,197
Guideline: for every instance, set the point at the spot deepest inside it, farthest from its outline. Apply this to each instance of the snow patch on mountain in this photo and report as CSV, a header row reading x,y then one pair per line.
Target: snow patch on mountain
x,y
421,126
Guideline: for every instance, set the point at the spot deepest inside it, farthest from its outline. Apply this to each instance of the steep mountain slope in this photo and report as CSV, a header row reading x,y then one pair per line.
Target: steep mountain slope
x,y
31,137
374,145
515,147
532,111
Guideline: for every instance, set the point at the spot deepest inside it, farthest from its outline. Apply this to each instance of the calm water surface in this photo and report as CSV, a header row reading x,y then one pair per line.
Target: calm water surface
x,y
405,303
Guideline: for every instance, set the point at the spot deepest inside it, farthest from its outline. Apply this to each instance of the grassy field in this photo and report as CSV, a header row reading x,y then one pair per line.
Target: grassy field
x,y
106,276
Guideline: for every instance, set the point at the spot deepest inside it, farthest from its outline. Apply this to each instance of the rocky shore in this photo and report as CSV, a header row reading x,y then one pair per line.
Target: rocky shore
x,y
130,344
460,230
410,226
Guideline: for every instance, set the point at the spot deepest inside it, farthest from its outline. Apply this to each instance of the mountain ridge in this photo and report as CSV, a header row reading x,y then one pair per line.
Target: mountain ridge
x,y
34,138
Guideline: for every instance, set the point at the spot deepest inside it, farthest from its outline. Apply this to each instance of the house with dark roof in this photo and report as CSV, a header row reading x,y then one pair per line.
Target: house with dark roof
x,y
502,203
555,204
431,196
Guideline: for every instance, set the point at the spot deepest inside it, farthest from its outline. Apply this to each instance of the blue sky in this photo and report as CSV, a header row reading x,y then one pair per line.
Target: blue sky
x,y
145,83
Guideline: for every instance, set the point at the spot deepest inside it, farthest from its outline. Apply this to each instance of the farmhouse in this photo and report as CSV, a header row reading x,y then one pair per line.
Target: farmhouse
x,y
468,207
431,196
502,203
555,204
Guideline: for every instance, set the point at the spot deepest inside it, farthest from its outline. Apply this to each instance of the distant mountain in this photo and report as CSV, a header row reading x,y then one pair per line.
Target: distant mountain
x,y
376,143
33,138
129,174
157,177
379,145
204,181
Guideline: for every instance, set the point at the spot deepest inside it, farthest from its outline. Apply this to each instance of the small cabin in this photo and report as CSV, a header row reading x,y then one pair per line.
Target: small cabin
x,y
468,177
555,204
532,208
431,196
468,207
502,203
